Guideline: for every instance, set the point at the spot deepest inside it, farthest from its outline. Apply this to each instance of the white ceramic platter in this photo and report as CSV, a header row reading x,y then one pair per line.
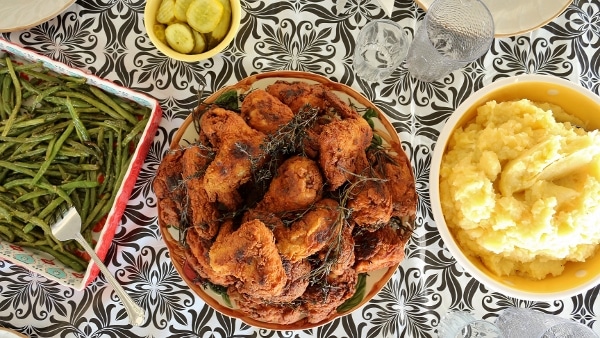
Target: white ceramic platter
x,y
23,14
515,17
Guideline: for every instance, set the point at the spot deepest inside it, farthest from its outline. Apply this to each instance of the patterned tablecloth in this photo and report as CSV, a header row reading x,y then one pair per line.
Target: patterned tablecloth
x,y
107,38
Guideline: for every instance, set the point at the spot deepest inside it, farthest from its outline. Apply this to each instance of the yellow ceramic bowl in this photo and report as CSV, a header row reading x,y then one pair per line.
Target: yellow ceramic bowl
x,y
574,99
150,19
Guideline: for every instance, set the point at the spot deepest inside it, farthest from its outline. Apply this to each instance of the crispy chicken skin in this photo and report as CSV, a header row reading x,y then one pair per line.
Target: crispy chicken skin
x,y
167,187
198,256
402,187
168,174
297,185
202,212
235,143
322,300
263,112
297,281
297,95
310,233
378,249
371,204
344,256
342,146
280,313
249,254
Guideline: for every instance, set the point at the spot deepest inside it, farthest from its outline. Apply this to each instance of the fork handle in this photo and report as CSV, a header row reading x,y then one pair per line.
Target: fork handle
x,y
136,313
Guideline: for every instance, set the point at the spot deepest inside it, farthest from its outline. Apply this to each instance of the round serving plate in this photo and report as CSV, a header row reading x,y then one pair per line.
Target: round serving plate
x,y
187,134
514,17
28,13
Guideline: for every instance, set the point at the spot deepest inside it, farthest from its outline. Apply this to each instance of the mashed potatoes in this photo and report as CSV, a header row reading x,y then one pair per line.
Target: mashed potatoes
x,y
520,188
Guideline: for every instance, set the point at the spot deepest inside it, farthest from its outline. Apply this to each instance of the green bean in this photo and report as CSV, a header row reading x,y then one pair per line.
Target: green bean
x,y
17,85
3,114
95,212
6,93
27,154
110,102
7,233
20,67
28,237
139,127
42,76
31,194
55,149
61,256
79,126
26,139
5,213
92,101
17,168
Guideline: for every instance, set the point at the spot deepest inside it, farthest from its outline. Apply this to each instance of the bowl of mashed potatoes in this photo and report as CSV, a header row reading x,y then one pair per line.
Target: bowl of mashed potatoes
x,y
515,187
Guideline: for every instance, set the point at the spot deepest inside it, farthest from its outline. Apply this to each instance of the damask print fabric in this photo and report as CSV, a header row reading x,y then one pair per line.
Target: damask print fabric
x,y
107,38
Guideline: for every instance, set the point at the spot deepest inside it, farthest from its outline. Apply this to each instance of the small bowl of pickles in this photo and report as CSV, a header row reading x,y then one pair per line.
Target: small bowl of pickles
x,y
192,30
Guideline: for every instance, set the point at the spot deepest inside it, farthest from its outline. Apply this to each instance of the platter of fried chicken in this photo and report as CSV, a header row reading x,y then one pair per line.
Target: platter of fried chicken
x,y
286,200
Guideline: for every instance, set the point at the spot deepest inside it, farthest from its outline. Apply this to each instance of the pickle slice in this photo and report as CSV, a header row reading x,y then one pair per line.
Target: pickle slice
x,y
222,28
181,7
204,15
199,42
166,12
180,37
159,31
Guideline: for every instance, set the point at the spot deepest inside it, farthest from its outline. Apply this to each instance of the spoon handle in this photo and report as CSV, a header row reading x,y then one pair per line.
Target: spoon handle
x,y
135,312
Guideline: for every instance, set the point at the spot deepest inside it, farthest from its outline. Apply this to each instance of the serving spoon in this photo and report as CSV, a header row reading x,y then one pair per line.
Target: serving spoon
x,y
69,227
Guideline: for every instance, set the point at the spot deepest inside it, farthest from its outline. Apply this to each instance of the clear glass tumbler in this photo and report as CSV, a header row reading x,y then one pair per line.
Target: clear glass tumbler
x,y
381,46
458,324
528,323
452,34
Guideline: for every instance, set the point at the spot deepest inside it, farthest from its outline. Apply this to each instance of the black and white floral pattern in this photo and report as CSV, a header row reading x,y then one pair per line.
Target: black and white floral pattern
x,y
107,38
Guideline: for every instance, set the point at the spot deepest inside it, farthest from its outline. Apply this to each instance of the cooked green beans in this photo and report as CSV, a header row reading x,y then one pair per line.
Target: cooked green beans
x,y
63,143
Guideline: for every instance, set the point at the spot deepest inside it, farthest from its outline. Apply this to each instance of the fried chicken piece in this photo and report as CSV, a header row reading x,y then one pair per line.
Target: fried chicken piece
x,y
371,205
265,113
298,95
169,212
236,145
297,185
168,174
342,146
169,191
297,281
343,253
379,249
279,313
269,219
202,212
197,256
250,254
322,300
401,183
310,233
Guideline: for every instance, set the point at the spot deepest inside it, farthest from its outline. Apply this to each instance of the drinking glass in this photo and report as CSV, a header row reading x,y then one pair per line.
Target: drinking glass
x,y
527,323
381,46
452,34
458,324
